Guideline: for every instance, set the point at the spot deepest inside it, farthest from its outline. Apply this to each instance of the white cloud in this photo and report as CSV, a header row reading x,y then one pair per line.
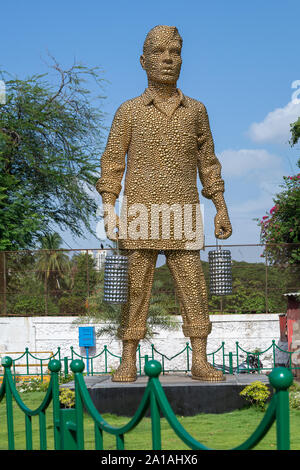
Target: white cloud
x,y
257,206
249,162
252,178
275,128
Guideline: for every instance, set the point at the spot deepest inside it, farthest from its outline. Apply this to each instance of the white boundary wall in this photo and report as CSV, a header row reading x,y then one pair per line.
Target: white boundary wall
x,y
47,333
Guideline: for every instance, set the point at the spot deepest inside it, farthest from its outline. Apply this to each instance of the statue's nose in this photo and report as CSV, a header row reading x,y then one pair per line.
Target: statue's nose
x,y
167,58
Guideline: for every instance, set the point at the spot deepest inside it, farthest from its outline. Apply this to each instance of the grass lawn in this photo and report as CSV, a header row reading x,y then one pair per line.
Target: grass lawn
x,y
217,431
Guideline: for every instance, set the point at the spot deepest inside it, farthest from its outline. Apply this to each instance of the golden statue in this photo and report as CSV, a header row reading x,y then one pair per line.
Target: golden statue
x,y
167,139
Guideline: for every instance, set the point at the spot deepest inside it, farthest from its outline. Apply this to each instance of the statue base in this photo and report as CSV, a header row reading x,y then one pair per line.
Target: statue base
x,y
186,396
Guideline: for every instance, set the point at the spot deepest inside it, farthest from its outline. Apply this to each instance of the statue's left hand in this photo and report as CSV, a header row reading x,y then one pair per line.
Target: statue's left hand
x,y
223,227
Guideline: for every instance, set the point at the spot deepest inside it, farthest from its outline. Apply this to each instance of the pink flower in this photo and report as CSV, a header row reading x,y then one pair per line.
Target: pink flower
x,y
273,209
265,217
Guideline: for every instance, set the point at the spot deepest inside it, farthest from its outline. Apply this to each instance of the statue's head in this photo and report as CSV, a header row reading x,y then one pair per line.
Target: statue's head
x,y
161,57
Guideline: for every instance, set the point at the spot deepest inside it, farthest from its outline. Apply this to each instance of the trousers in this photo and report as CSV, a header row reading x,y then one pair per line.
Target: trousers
x,y
190,285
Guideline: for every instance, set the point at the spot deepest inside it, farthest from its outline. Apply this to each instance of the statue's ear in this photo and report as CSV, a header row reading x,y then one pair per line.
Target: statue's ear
x,y
142,61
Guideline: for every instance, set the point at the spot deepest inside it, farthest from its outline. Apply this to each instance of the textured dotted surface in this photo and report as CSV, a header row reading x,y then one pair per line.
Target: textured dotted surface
x,y
167,139
190,285
164,154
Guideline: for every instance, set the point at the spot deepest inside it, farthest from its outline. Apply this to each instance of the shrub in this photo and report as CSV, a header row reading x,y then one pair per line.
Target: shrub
x,y
67,397
72,304
295,396
256,394
32,385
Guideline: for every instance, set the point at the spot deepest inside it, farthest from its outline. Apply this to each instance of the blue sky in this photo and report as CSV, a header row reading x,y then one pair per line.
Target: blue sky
x,y
239,58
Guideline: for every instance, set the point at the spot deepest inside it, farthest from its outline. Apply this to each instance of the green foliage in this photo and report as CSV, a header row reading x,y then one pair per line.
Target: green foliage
x,y
28,304
50,142
84,275
108,315
295,131
72,304
19,218
249,289
256,394
282,223
32,385
26,296
52,265
294,395
67,397
51,282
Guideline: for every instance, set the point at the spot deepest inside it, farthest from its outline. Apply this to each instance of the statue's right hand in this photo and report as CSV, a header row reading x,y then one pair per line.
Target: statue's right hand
x,y
111,220
111,224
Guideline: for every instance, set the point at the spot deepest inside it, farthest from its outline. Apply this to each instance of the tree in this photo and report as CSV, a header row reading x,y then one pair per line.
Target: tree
x,y
295,131
83,278
50,143
53,266
107,315
281,225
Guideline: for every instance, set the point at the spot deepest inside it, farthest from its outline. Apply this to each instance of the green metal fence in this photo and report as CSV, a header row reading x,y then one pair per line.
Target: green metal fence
x,y
229,362
68,424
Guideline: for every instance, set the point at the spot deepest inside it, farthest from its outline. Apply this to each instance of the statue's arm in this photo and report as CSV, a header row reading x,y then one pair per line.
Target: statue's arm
x,y
113,167
209,169
113,157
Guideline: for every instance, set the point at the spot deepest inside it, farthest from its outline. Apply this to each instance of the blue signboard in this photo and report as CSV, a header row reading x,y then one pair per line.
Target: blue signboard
x,y
87,336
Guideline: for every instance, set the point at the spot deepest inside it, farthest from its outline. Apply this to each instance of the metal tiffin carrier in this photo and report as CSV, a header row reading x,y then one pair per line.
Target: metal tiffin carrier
x,y
220,272
116,279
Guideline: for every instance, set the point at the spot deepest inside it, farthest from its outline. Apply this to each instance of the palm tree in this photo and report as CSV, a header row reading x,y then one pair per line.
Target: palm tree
x,y
52,264
161,307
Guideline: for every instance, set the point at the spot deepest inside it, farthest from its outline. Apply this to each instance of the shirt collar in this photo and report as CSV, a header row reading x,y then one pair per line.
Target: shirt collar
x,y
148,97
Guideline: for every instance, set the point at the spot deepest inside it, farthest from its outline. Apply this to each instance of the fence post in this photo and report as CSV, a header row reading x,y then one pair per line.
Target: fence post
x,y
140,359
105,358
237,354
281,379
55,366
273,349
187,357
27,361
77,367
66,367
230,364
153,369
67,424
7,363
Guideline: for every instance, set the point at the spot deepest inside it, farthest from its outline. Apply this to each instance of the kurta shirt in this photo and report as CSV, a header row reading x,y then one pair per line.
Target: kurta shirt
x,y
166,144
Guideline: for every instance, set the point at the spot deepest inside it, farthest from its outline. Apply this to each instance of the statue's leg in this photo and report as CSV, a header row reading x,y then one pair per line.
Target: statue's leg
x,y
190,283
134,313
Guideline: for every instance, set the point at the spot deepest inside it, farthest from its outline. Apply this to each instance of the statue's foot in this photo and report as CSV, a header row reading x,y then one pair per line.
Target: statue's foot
x,y
201,368
126,372
206,372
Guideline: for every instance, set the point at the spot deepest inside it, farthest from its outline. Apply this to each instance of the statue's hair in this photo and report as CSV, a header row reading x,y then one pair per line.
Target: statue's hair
x,y
161,28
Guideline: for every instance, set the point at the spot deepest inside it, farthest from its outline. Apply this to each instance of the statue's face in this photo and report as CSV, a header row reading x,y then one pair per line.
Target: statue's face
x,y
162,59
